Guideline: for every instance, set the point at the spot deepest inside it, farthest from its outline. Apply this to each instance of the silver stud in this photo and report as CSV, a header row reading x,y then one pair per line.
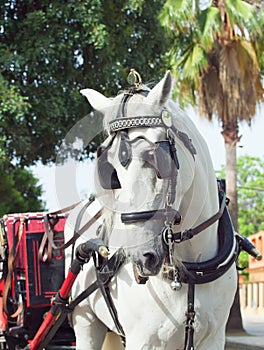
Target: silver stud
x,y
166,118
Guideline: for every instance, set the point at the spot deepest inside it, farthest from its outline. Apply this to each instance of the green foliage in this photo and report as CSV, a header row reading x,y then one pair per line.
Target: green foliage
x,y
194,30
250,187
241,12
191,31
261,41
12,109
250,194
49,50
19,192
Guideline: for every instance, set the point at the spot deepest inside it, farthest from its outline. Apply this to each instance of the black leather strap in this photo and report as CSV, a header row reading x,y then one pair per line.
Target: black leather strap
x,y
160,214
76,234
210,270
179,237
190,314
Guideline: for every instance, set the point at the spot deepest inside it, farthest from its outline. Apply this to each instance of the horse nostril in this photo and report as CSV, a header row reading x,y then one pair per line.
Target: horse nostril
x,y
151,259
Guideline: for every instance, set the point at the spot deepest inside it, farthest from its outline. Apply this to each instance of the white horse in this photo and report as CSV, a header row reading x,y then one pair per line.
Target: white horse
x,y
154,167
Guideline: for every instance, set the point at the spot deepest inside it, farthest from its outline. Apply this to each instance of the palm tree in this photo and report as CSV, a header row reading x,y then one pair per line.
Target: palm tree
x,y
215,58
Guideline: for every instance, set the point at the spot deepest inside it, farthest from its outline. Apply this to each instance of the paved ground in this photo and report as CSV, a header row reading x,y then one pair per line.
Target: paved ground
x,y
254,337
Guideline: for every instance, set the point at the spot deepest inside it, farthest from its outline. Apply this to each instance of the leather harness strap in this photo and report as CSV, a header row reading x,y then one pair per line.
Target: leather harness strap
x,y
45,248
49,236
190,315
12,265
47,242
190,233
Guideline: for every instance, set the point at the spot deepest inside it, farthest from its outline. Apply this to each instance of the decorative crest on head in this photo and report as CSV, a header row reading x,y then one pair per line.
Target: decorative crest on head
x,y
134,78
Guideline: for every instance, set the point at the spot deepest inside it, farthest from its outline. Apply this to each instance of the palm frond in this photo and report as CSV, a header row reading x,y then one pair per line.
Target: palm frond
x,y
209,23
247,57
177,15
240,12
184,92
184,55
193,63
217,54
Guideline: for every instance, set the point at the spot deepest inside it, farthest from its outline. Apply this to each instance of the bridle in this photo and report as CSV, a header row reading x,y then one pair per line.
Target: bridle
x,y
164,152
166,164
165,158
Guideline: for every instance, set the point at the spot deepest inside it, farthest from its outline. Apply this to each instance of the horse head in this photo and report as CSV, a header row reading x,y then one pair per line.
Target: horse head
x,y
144,168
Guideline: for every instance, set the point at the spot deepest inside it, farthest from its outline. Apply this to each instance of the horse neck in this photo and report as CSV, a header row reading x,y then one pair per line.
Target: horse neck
x,y
197,205
201,207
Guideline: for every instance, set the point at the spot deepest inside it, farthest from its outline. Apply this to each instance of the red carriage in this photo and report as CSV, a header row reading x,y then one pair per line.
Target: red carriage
x,y
32,273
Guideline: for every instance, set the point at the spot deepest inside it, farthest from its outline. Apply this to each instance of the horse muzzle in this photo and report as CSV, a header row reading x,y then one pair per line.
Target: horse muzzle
x,y
147,264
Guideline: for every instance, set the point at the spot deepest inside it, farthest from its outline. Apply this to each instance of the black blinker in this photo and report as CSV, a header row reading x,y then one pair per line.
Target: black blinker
x,y
163,160
106,172
125,153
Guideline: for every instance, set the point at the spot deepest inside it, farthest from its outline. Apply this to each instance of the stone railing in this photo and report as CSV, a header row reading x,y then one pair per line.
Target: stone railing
x,y
252,297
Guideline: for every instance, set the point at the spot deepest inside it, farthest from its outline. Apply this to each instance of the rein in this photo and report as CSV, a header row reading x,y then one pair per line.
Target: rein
x,y
48,236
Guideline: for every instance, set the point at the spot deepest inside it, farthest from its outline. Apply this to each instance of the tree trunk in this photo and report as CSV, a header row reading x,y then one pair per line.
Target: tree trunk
x,y
231,182
234,323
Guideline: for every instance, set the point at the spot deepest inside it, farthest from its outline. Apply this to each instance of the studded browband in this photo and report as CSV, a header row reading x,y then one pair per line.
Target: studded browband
x,y
135,122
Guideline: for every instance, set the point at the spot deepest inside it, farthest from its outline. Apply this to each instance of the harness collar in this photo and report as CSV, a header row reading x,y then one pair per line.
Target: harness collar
x,y
210,270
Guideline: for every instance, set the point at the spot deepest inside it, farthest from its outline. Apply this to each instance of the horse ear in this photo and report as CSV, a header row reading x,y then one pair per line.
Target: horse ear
x,y
97,100
161,92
